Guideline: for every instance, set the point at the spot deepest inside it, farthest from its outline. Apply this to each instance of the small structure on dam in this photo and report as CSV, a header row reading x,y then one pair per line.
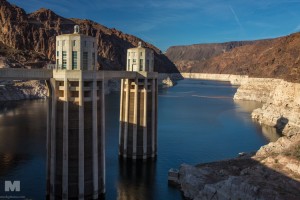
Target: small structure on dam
x,y
76,159
138,107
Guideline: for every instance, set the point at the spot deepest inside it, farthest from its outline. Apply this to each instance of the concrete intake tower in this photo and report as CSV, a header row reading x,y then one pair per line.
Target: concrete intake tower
x,y
75,135
138,107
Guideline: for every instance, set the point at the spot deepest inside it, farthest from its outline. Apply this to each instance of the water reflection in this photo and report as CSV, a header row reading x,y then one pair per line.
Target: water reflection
x,y
9,162
270,133
23,146
20,124
248,106
136,180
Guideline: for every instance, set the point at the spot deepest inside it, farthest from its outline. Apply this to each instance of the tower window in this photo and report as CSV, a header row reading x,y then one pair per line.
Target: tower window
x,y
58,43
141,53
57,53
134,60
93,44
74,43
141,64
84,43
128,63
85,60
74,59
93,59
64,60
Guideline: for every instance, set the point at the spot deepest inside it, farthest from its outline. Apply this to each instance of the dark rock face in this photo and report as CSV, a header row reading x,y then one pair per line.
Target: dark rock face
x,y
274,58
202,51
19,90
15,58
36,32
186,57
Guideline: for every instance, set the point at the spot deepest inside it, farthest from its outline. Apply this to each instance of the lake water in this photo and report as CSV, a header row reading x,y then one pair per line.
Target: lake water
x,y
198,121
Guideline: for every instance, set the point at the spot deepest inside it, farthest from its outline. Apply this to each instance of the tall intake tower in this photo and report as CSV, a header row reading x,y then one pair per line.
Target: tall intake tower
x,y
138,107
75,135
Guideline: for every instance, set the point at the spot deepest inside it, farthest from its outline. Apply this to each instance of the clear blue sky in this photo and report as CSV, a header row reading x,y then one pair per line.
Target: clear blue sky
x,y
166,23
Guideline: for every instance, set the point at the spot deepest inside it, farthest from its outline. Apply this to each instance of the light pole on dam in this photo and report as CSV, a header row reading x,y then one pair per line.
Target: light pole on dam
x,y
76,116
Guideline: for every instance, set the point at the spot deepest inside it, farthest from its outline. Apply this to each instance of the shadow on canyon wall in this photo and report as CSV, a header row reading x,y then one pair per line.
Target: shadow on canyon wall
x,y
281,124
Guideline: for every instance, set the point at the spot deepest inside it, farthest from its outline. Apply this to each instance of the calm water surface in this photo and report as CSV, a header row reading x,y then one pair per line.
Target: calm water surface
x,y
198,122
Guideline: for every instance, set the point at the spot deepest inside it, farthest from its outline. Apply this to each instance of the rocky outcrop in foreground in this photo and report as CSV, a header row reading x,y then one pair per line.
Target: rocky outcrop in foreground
x,y
272,177
273,172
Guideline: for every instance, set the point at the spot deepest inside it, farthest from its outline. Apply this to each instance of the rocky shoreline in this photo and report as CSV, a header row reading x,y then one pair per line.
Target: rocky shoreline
x,y
273,172
22,90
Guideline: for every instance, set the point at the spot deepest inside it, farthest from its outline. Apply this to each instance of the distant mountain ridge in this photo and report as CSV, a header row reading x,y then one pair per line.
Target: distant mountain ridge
x,y
270,58
34,35
202,51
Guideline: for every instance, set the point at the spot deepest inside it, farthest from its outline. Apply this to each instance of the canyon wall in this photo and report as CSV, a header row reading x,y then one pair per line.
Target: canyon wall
x,y
187,56
233,79
271,58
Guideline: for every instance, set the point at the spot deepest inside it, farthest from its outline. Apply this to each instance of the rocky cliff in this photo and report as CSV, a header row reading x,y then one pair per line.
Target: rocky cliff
x,y
281,100
273,58
35,33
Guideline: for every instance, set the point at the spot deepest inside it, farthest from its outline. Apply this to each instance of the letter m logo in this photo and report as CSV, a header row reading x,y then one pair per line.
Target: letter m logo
x,y
12,186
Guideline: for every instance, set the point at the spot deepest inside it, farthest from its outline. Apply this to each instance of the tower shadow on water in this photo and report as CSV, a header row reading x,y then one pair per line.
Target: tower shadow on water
x,y
137,179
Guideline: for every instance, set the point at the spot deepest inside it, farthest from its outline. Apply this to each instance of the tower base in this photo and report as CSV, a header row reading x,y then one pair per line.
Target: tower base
x,y
138,117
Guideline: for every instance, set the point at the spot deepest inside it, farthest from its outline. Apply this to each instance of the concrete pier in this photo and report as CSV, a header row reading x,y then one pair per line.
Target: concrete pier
x,y
76,138
138,114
